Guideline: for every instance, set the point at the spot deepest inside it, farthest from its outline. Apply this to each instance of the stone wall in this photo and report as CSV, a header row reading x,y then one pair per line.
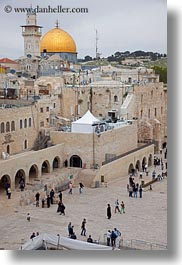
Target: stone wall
x,y
92,149
119,168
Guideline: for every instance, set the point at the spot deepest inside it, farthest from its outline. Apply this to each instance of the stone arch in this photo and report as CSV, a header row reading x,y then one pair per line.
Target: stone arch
x,y
131,168
56,162
137,165
45,168
8,149
75,161
33,172
150,160
115,98
144,162
4,180
20,174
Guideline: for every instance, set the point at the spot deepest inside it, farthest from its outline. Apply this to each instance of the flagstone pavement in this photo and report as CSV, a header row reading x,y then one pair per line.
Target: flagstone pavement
x,y
145,218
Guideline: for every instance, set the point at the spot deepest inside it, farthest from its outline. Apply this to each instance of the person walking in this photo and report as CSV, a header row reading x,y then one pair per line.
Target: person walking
x,y
117,206
118,236
81,187
70,188
140,191
9,193
135,190
108,238
83,227
62,209
28,217
48,201
113,239
108,211
60,196
122,207
52,196
37,197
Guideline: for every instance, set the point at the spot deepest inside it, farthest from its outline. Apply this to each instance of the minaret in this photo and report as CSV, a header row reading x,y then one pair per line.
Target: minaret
x,y
32,34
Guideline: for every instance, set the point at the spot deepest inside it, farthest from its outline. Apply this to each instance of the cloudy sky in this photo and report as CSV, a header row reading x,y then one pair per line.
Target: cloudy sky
x,y
122,25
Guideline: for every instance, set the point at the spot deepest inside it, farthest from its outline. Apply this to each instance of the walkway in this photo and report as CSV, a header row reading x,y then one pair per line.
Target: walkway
x,y
145,219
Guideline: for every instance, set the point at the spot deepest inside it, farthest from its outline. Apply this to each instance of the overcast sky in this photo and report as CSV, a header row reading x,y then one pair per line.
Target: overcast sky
x,y
122,25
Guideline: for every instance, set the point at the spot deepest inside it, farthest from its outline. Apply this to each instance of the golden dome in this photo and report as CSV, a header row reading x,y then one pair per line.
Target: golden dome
x,y
57,40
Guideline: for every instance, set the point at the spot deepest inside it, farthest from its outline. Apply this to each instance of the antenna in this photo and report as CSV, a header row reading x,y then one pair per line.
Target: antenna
x,y
96,43
97,54
57,24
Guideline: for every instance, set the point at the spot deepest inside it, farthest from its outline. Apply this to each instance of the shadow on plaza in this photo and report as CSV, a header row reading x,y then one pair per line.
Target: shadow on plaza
x,y
173,117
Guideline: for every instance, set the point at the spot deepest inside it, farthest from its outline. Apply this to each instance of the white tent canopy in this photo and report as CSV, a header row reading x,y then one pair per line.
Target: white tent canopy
x,y
59,242
84,124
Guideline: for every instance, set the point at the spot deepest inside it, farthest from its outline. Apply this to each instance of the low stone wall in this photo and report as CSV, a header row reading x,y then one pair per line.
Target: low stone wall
x,y
119,168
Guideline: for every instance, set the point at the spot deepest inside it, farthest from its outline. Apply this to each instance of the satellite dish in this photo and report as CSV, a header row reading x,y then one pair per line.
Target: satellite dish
x,y
29,56
12,71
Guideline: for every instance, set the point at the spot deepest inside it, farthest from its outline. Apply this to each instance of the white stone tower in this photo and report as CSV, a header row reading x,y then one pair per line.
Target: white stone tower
x,y
32,34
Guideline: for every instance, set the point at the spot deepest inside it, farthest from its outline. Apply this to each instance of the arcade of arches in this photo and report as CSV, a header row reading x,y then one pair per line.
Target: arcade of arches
x,y
139,165
35,171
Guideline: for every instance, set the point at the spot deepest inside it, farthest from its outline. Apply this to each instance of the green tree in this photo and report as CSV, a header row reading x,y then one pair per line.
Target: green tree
x,y
162,72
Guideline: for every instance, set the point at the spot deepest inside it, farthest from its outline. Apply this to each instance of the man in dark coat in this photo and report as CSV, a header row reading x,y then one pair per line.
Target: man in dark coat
x,y
108,211
60,196
62,208
52,196
48,201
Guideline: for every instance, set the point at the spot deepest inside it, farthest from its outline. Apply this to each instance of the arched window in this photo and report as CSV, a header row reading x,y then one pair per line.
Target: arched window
x,y
25,144
25,123
8,149
149,113
21,124
12,126
30,122
7,126
115,98
2,127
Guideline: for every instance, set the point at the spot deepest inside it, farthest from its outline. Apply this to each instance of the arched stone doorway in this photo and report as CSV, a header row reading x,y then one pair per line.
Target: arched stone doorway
x,y
45,167
5,179
144,162
56,162
20,175
137,165
150,161
131,169
75,161
33,172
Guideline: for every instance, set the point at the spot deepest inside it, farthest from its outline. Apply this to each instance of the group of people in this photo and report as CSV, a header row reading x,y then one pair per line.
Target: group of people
x,y
81,186
113,238
133,188
34,235
120,208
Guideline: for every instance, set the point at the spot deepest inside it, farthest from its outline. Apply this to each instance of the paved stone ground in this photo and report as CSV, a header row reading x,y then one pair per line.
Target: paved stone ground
x,y
145,219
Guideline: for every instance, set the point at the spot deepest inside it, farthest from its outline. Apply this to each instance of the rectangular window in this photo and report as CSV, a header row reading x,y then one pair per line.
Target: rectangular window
x,y
155,112
54,105
41,110
47,109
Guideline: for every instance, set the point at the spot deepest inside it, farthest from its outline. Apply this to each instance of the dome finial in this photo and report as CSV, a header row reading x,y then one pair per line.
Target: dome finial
x,y
57,24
